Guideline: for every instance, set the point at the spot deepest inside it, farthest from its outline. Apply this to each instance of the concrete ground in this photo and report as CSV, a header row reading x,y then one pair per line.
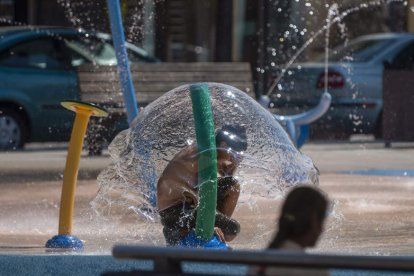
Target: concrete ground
x,y
372,214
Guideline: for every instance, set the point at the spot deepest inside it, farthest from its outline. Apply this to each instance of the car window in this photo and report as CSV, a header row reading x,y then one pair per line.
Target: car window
x,y
136,57
404,60
90,49
76,58
44,53
358,51
99,51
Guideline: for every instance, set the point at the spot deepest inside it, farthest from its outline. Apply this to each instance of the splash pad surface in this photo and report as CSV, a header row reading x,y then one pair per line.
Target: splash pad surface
x,y
376,212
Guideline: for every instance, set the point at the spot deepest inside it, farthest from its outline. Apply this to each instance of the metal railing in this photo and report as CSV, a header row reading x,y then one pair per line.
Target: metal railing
x,y
169,259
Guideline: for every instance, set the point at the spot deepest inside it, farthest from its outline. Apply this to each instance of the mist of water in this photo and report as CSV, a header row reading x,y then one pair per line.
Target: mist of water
x,y
334,17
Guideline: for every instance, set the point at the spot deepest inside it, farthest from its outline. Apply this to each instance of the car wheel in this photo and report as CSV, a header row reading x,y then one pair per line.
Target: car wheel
x,y
13,129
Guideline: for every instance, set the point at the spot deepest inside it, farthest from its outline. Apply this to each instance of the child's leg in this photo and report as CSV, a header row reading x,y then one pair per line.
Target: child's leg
x,y
228,226
177,221
228,191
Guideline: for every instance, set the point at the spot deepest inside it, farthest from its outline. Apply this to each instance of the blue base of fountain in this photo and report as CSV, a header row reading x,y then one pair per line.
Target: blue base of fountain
x,y
191,240
65,241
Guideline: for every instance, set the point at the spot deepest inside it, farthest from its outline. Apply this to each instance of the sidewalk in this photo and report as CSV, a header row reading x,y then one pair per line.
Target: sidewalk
x,y
335,157
42,162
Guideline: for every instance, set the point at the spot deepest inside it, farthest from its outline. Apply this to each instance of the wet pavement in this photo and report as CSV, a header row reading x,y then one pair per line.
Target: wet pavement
x,y
372,214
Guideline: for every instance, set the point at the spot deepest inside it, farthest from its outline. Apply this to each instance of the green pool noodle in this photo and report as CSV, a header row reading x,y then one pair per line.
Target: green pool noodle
x,y
207,161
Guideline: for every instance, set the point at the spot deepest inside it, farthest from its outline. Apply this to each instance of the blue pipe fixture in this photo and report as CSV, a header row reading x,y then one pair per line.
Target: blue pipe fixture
x,y
127,86
124,71
297,126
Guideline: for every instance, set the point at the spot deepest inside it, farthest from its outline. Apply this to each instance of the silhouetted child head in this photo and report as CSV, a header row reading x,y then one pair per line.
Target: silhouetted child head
x,y
302,216
234,137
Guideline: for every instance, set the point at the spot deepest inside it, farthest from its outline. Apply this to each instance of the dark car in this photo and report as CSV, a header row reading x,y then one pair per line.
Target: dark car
x,y
38,70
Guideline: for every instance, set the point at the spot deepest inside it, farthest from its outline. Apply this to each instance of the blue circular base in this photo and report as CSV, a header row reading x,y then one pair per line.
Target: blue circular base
x,y
64,241
191,240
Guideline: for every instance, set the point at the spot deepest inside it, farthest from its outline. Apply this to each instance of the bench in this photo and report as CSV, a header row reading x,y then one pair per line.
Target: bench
x,y
100,85
169,259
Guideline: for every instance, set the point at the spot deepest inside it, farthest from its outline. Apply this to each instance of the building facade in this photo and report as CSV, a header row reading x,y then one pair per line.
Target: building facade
x,y
266,33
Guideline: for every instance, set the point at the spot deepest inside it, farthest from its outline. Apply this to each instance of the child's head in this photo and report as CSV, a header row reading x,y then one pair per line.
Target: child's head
x,y
234,138
302,216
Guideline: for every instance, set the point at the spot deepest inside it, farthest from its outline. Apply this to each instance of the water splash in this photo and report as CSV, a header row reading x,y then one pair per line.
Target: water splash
x,y
84,14
271,164
338,19
332,13
90,15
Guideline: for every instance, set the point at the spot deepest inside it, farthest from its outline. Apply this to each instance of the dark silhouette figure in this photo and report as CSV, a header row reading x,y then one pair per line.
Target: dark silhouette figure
x,y
301,219
300,225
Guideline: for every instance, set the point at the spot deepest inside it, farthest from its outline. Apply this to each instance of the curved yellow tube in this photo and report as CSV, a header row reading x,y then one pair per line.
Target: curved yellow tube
x,y
83,112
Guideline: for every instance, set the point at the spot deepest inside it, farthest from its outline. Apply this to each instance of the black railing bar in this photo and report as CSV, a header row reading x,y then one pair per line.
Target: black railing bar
x,y
265,257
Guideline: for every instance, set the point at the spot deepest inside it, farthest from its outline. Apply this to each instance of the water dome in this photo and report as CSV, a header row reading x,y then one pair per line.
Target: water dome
x,y
271,163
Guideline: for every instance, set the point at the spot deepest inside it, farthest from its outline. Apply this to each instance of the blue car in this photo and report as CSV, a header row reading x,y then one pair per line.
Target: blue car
x,y
354,80
38,70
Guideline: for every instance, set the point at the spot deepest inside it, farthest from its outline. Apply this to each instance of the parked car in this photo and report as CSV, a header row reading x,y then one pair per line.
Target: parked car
x,y
354,81
38,70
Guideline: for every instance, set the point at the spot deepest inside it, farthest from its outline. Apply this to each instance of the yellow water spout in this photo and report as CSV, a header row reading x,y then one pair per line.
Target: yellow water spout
x,y
83,112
